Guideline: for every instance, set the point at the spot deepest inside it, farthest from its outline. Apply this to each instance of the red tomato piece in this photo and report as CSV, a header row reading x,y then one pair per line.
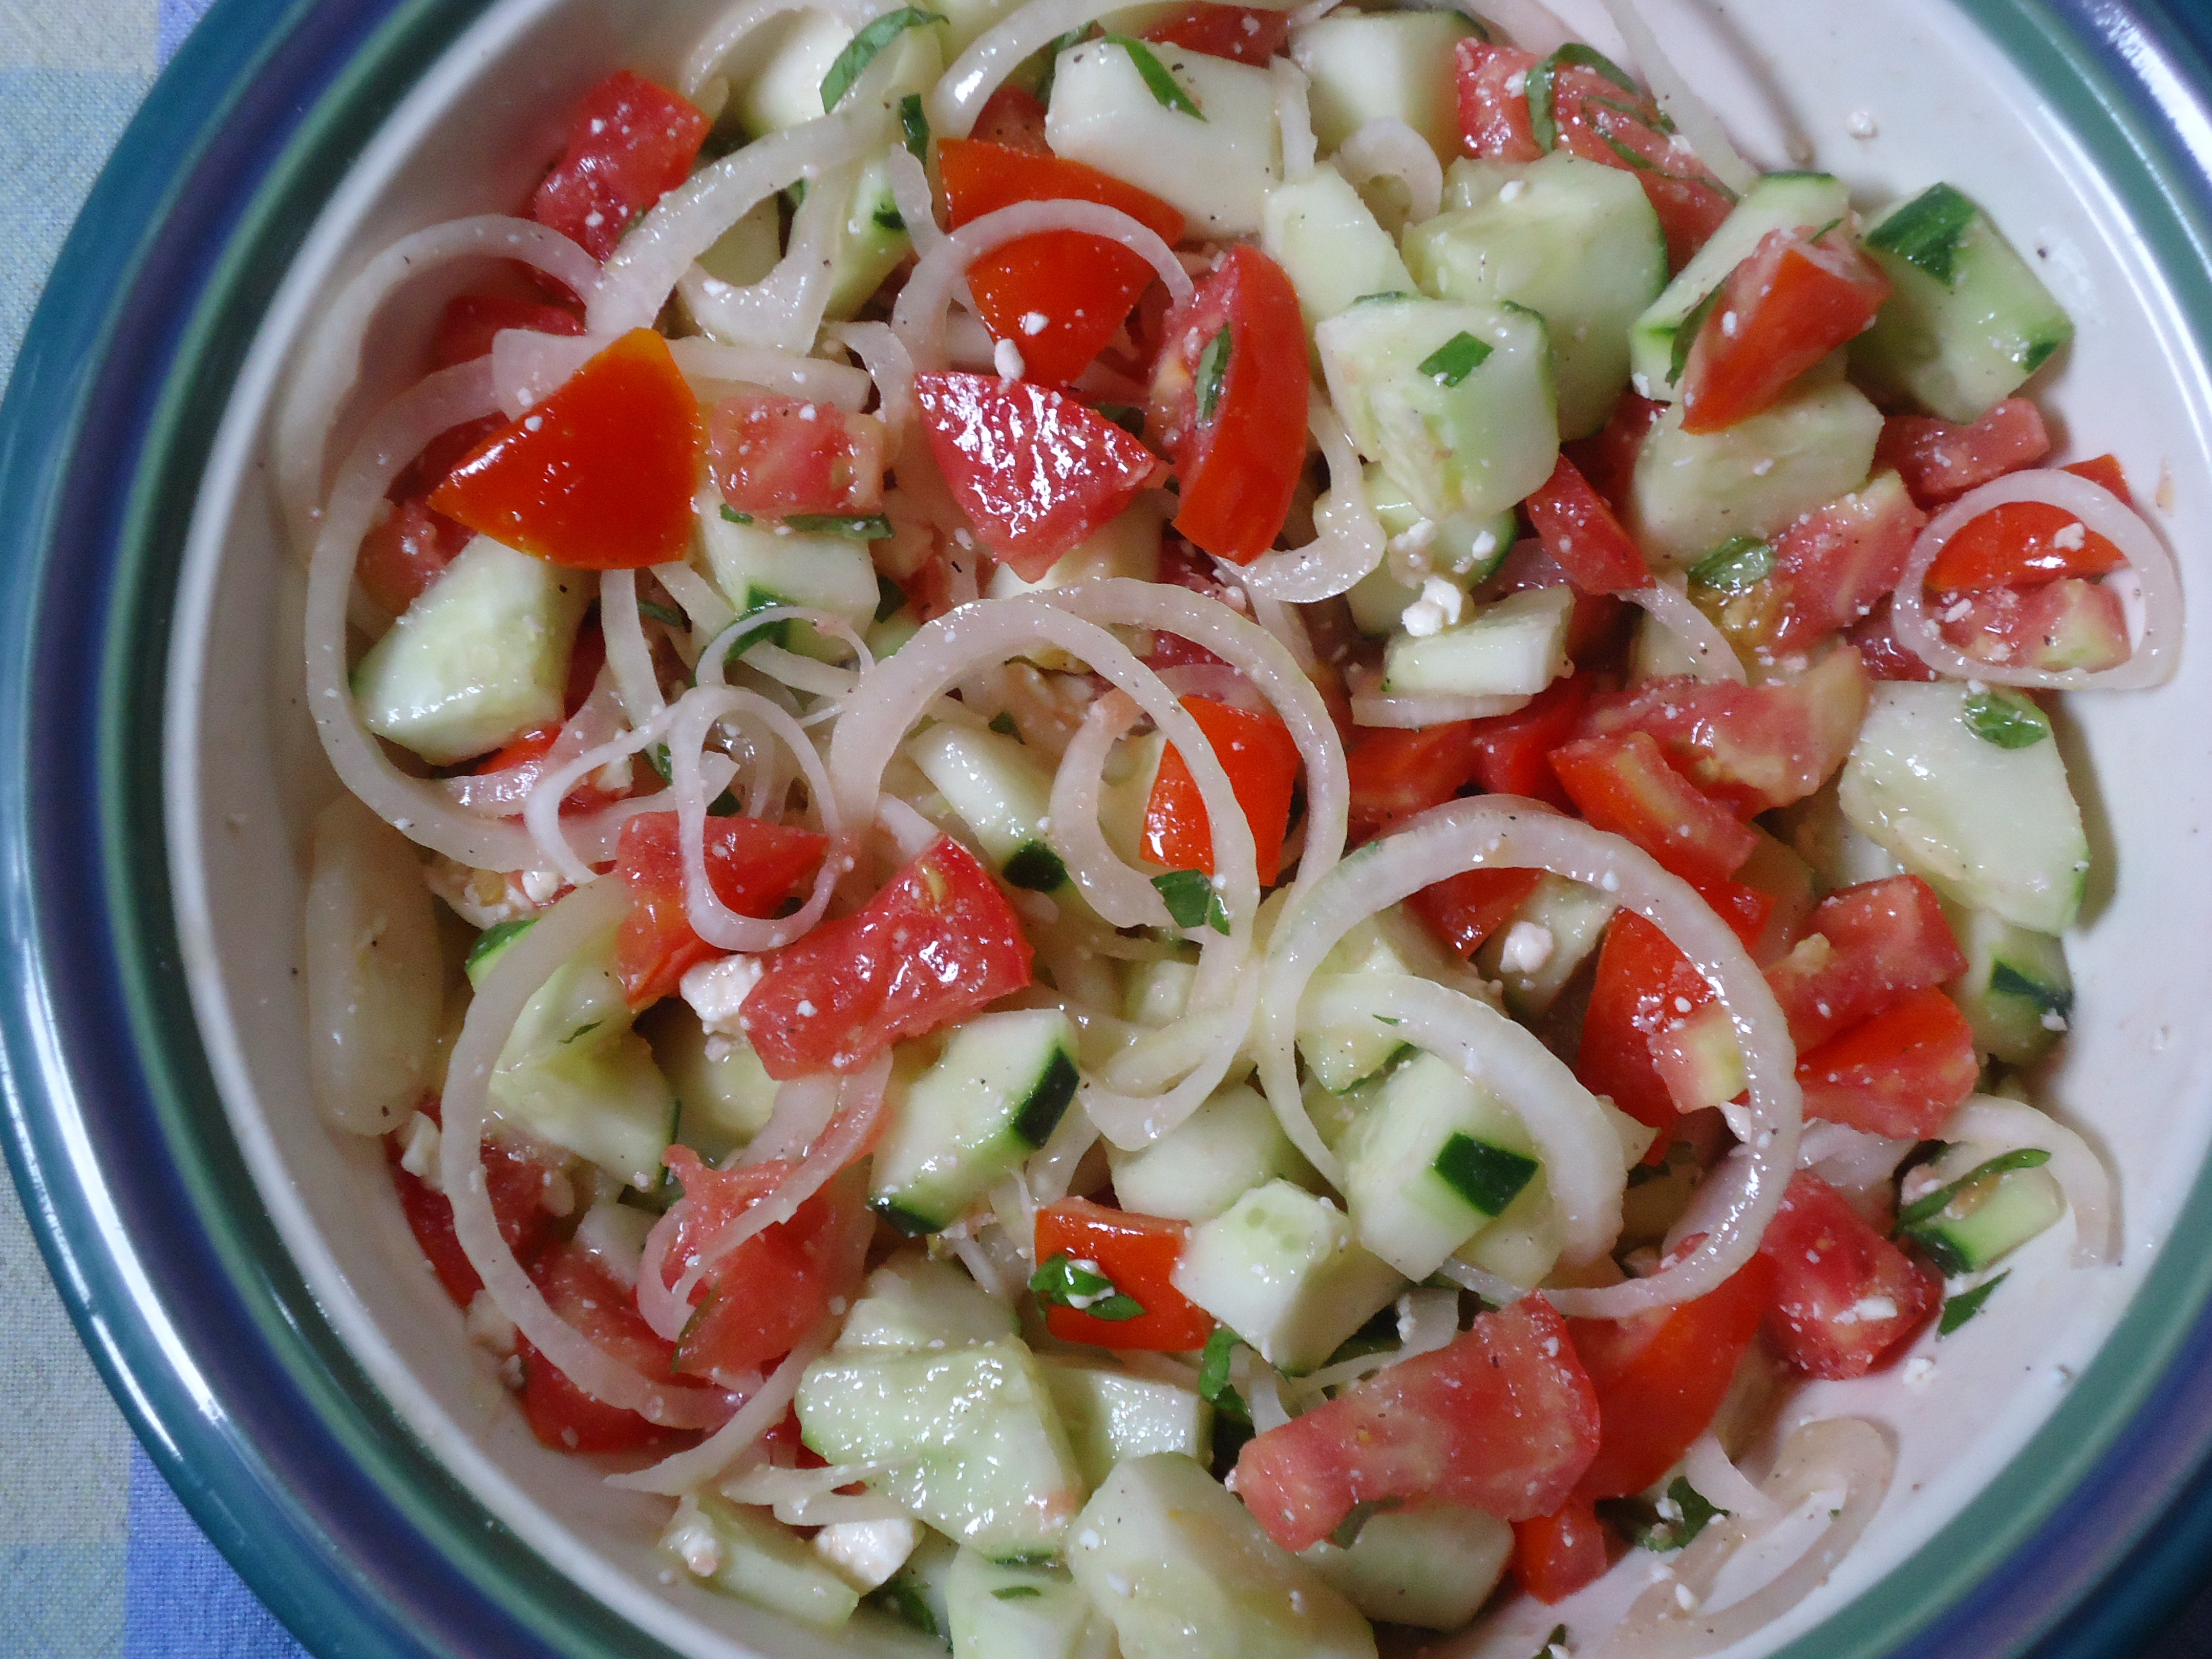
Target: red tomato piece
x,y
588,1297
1939,461
1746,909
1262,759
1014,119
1239,448
1513,752
601,474
1555,1555
938,941
519,1177
1899,1073
776,456
1396,774
2021,543
1844,1295
1608,458
402,556
1624,784
1864,947
1503,1420
1644,987
1794,300
2069,623
754,867
531,748
1083,287
1036,473
1491,84
440,456
2106,472
1580,532
1834,565
1875,641
1597,629
1465,910
1138,1253
470,321
630,144
1246,34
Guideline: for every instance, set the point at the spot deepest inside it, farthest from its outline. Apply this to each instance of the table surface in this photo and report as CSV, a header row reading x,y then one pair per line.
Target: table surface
x,y
98,1559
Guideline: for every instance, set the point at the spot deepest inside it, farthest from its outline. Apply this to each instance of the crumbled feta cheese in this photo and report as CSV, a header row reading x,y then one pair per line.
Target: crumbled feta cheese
x,y
2071,537
1919,1371
1033,322
867,1553
717,989
1860,125
2053,1020
1731,324
1764,467
420,1157
1006,358
1439,607
539,886
1513,190
487,1328
692,1542
1526,947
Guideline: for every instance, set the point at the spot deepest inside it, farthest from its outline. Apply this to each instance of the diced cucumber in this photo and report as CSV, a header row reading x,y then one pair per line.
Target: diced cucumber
x,y
1995,829
1110,1415
1434,1159
614,1233
1326,240
1840,856
749,249
1431,1567
1127,544
1523,1244
1570,239
870,239
726,1093
1465,549
573,1073
975,1446
1002,791
1229,1146
1780,200
1280,1267
1566,920
1391,941
919,1595
1967,320
1216,166
1703,1064
795,52
1000,1611
1333,1115
867,1554
1691,493
1184,1572
1995,1212
1512,647
887,636
2017,992
1394,66
913,1303
992,1099
749,1556
1475,430
758,566
480,657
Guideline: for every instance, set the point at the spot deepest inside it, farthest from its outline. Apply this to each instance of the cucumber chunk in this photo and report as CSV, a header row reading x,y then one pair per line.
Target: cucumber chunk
x,y
1127,544
1564,922
1474,431
1431,1567
1995,829
1967,320
1341,1057
794,53
1465,549
912,1302
1280,1267
1000,1611
759,566
1326,240
1002,792
1513,648
746,1554
1816,828
871,239
918,1595
1111,1415
2017,992
992,1099
1384,66
1523,1244
1994,1211
1183,1571
1569,239
975,1446
1155,994
1228,1146
727,1095
480,657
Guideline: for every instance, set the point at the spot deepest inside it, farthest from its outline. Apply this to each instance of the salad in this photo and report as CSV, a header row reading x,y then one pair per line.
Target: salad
x,y
1187,829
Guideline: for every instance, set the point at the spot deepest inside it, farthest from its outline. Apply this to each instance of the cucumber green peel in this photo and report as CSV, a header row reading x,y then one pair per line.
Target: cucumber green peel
x,y
1738,562
1927,232
1965,1305
1928,1208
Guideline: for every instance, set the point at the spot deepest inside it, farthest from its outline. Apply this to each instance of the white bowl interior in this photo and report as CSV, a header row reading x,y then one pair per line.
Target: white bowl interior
x,y
246,776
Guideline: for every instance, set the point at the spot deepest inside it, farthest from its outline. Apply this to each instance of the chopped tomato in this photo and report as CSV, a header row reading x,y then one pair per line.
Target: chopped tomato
x,y
630,144
1036,473
519,1177
1184,566
1831,568
2069,623
1248,35
1624,784
1645,986
1941,462
1875,641
401,557
777,1285
754,867
1794,300
532,748
1465,910
1608,458
1580,532
583,1293
2106,472
470,321
1864,948
1555,1555
1396,774
1598,628
776,456
938,942
1058,296
1013,118
1844,1295
601,474
1262,758
1746,909
1229,401
1513,752
2021,543
1503,1420
441,456
1138,1253
1491,84
1900,1073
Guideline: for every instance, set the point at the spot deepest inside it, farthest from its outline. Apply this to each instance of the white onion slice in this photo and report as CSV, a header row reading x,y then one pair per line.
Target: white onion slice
x,y
885,356
715,659
1348,542
1052,1172
1119,895
1716,1478
1697,123
687,1471
783,310
804,1107
1386,148
710,365
917,204
501,794
1312,12
527,366
629,659
2157,653
728,31
2007,1126
710,613
1533,25
1293,120
1498,1293
1711,657
1372,706
763,1484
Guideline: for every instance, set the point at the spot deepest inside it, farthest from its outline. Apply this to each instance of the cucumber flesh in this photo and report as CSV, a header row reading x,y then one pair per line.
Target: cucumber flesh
x,y
726,1093
871,239
1431,1567
1565,921
2017,992
1111,1415
918,1595
1512,647
1326,241
913,1303
1228,1146
1464,549
1001,791
745,1554
759,566
1383,65
1000,1611
1391,941
1988,1217
794,53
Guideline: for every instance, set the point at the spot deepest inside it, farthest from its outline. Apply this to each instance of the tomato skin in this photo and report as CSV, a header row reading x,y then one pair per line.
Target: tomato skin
x,y
2106,472
401,557
1395,774
1875,640
2018,543
775,456
1624,784
600,1306
1262,758
1503,1420
518,1178
1598,626
1555,1555
1513,752
1864,948
1794,300
470,321
1036,472
938,941
2069,623
1082,286
1828,1264
754,867
1901,1072
1493,115
1244,34
1579,530
1012,117
1643,984
1940,461
599,476
1465,910
1238,471
1834,566
1608,458
1138,1253
532,747
629,144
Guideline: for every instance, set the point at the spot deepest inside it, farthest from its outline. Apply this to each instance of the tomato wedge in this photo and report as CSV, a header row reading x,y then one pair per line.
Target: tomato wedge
x,y
1607,459
1465,910
598,476
754,867
2019,543
1036,473
1939,461
471,321
1014,119
1262,758
1899,1073
1555,1555
402,556
2106,472
1229,403
1791,303
1844,1295
1624,784
1645,986
776,456
629,144
585,1293
2069,623
1886,657
1579,530
1831,568
1864,948
1247,34
1138,1253
1396,774
519,1177
1513,752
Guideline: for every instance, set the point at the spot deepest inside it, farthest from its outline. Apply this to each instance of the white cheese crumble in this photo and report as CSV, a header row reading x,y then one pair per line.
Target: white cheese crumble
x,y
1513,190
1439,607
1033,322
1527,947
2071,537
692,1542
487,1328
867,1553
1006,358
717,989
419,1158
1860,125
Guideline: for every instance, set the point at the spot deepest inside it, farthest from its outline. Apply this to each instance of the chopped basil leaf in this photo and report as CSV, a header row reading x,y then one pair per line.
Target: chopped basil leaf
x,y
734,516
1015,1592
1214,1374
1692,1515
1212,373
1003,724
1927,232
666,616
1928,1208
1543,83
1455,359
890,597
906,1603
1164,87
1130,418
2007,720
860,51
887,218
1036,867
1738,562
1555,1644
915,125
1958,1309
860,526
1685,335
582,1030
1063,1282
1192,900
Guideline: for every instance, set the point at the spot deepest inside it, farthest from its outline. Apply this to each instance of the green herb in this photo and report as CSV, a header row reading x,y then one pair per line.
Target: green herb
x,y
1644,1174
1832,225
1164,87
2007,720
1963,1306
1693,1514
1192,900
860,51
658,757
1003,724
1488,1177
1130,418
795,193
2007,980
1455,359
1037,868
1015,1592
723,805
1738,562
860,526
1063,1282
1928,1208
890,599
906,1603
1543,86
490,942
1386,294
1212,373
887,217
582,1031
734,516
1554,1645
1928,231
915,125
1213,1375
666,616
1685,335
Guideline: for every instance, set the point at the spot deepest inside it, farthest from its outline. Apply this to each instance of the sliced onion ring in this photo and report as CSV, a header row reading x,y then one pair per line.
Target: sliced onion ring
x,y
1711,657
2007,1126
687,1471
1348,542
1386,148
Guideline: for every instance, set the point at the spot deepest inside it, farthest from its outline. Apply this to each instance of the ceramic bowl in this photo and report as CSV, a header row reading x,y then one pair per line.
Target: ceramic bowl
x,y
244,1276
